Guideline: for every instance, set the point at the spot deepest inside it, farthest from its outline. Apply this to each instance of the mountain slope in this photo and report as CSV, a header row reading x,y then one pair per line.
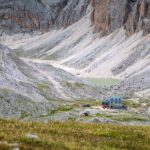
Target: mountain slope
x,y
81,52
26,86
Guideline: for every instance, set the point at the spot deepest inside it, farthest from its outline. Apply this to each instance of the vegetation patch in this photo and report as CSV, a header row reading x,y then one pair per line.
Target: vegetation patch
x,y
73,136
24,115
130,118
79,103
75,85
124,116
19,52
5,91
145,101
131,103
61,109
42,87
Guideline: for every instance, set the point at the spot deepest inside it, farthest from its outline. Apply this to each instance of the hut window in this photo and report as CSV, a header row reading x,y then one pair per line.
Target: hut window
x,y
116,100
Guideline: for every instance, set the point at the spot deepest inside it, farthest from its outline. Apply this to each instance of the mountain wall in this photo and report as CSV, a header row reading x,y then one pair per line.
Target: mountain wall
x,y
42,15
30,15
109,15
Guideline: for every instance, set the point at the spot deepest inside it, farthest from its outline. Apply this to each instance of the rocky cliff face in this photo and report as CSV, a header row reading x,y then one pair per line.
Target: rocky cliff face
x,y
109,15
29,15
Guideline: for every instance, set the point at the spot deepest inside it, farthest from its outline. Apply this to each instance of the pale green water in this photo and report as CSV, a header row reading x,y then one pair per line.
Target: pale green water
x,y
102,81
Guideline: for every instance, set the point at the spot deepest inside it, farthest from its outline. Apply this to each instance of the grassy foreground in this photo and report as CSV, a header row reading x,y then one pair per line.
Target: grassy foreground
x,y
72,136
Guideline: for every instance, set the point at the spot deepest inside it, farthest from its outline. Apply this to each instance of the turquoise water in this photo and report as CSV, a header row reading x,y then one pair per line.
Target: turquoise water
x,y
101,82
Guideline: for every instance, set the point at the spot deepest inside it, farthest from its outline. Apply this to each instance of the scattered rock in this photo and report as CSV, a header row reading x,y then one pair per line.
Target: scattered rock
x,y
84,113
32,136
86,105
101,120
148,112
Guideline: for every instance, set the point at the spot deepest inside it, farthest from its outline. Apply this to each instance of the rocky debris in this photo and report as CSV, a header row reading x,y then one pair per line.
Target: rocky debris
x,y
29,90
32,136
148,111
140,52
129,87
85,113
145,94
134,116
14,146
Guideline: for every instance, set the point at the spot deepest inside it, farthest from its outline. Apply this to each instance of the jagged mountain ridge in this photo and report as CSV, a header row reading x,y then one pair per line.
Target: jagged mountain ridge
x,y
107,15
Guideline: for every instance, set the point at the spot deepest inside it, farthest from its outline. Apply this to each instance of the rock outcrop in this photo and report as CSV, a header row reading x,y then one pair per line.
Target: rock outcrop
x,y
42,15
110,15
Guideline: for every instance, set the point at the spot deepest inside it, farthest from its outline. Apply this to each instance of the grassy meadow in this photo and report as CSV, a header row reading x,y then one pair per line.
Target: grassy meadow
x,y
72,136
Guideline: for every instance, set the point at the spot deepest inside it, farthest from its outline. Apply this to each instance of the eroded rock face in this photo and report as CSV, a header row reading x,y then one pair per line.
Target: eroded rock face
x,y
42,15
29,15
110,15
138,16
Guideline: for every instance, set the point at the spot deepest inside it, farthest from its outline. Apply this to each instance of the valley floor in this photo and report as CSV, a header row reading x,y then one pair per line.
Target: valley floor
x,y
71,136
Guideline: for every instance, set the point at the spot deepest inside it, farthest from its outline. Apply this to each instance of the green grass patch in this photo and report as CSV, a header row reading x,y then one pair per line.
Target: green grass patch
x,y
42,87
19,52
84,102
5,91
129,118
131,103
24,115
61,109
